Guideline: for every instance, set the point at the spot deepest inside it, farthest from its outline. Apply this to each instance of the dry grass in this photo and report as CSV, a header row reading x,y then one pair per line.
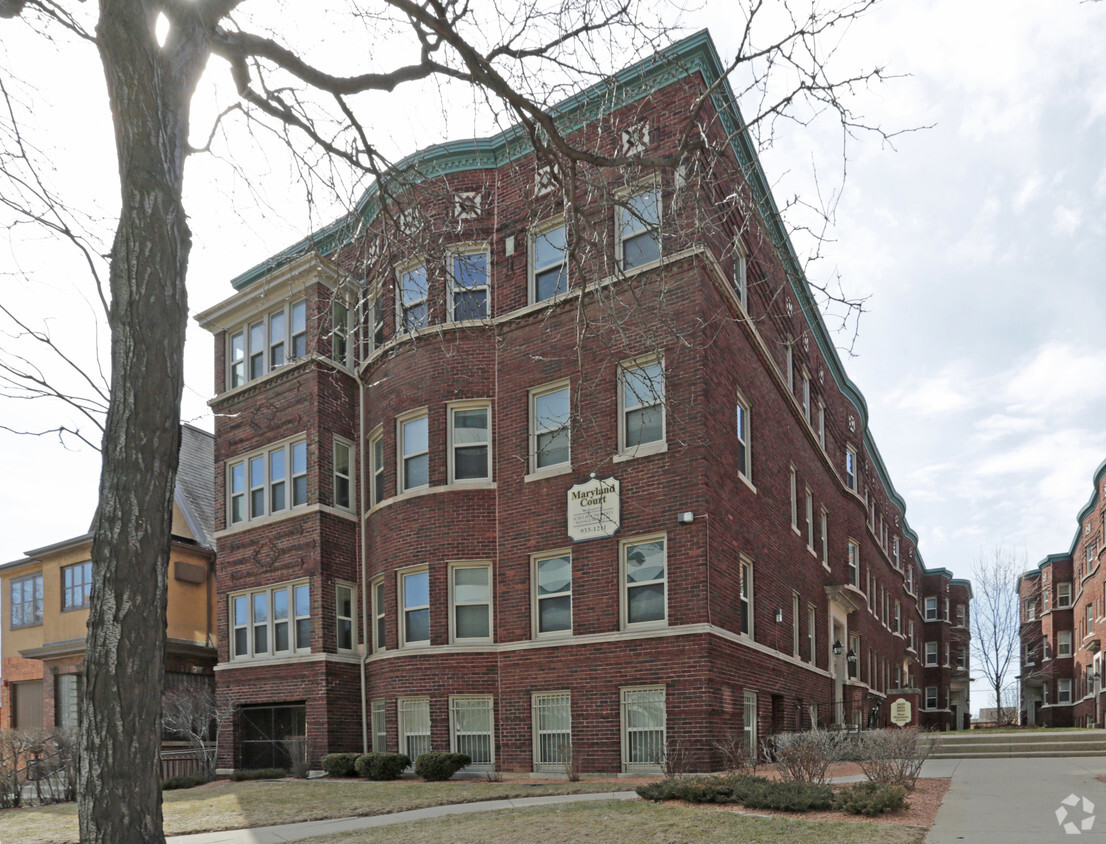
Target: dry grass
x,y
625,823
226,805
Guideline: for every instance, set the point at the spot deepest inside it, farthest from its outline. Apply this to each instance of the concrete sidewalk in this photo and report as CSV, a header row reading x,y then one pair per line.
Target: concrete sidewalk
x,y
1009,801
310,829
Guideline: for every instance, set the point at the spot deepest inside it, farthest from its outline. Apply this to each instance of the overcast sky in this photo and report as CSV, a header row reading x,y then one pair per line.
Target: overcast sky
x,y
979,243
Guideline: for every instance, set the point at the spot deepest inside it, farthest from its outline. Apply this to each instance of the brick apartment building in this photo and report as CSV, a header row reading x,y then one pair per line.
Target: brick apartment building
x,y
514,475
1062,605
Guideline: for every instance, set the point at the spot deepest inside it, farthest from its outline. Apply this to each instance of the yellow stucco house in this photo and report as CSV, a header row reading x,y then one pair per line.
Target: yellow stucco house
x,y
44,600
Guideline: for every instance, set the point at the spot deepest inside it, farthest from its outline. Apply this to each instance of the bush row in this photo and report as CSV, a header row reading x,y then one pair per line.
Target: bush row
x,y
433,766
754,792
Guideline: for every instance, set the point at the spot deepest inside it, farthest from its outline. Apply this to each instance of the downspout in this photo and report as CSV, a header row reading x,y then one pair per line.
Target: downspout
x,y
363,525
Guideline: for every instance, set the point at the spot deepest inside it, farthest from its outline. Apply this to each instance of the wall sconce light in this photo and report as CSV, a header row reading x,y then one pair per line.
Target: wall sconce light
x,y
779,614
851,657
837,648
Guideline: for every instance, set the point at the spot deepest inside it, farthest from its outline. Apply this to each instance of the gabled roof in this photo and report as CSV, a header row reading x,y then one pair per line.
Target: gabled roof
x,y
195,490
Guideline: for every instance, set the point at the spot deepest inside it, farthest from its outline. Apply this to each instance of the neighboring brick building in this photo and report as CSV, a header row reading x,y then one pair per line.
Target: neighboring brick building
x,y
449,368
45,602
1063,604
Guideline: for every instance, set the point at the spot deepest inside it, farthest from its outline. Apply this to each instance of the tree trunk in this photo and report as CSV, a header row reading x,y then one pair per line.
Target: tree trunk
x,y
150,88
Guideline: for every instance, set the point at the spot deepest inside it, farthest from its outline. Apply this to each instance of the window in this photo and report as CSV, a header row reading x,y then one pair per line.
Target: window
x,y
643,727
414,438
642,395
1063,690
741,273
1030,609
637,223
805,394
550,434
1063,643
850,468
262,346
26,603
931,653
379,614
470,730
552,717
825,538
76,585
413,299
948,656
468,286
269,735
1046,596
414,726
854,646
789,364
794,501
910,634
810,521
345,616
415,600
553,594
548,264
1090,619
931,697
271,622
376,459
635,139
471,593
1029,653
746,598
376,321
644,565
67,696
341,347
260,485
343,474
749,721
962,658
379,726
898,617
895,552
1063,595
854,564
470,435
910,578
822,423
744,461
811,623
931,609
796,626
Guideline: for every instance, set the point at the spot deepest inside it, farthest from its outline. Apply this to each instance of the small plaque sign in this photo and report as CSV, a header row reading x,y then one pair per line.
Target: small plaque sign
x,y
594,509
900,712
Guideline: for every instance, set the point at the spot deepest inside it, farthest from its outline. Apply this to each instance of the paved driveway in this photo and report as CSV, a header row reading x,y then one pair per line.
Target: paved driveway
x,y
1008,801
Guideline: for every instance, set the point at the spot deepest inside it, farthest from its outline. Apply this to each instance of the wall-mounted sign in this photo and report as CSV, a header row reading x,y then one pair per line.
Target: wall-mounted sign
x,y
900,712
594,509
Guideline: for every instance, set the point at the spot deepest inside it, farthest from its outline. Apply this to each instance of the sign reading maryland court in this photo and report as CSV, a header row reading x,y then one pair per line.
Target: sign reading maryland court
x,y
594,509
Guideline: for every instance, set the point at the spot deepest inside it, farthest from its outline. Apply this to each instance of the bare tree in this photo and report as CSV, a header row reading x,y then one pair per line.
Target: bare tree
x,y
153,54
193,713
996,622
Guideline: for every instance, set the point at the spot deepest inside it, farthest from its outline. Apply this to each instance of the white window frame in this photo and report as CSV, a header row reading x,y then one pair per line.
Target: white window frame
x,y
535,564
376,466
292,482
822,424
805,394
742,425
825,537
403,307
789,363
794,496
405,608
413,722
343,331
624,592
377,595
270,622
811,632
656,400
455,604
534,270
853,563
746,593
537,430
461,252
931,655
910,634
629,226
635,702
796,624
741,272
749,724
1063,690
1063,595
379,725
810,520
351,618
483,704
454,446
1063,644
850,467
898,617
544,706
932,699
292,343
930,603
401,452
342,444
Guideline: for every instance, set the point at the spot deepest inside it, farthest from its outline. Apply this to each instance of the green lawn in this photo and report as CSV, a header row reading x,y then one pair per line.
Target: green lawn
x,y
617,822
237,805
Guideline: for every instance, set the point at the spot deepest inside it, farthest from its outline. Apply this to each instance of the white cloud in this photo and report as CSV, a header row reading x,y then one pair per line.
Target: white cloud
x,y
1066,220
1058,375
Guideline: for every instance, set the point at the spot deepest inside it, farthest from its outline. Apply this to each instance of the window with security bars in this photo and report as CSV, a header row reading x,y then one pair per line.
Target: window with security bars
x,y
67,699
379,727
470,729
414,726
643,728
749,720
552,713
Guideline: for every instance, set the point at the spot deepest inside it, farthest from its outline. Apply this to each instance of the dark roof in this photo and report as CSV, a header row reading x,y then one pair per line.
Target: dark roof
x,y
195,492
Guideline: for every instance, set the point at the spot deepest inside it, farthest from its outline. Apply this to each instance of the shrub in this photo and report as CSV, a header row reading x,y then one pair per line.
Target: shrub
x,y
381,766
437,767
691,789
752,792
804,757
894,756
340,764
788,796
259,774
870,798
182,782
